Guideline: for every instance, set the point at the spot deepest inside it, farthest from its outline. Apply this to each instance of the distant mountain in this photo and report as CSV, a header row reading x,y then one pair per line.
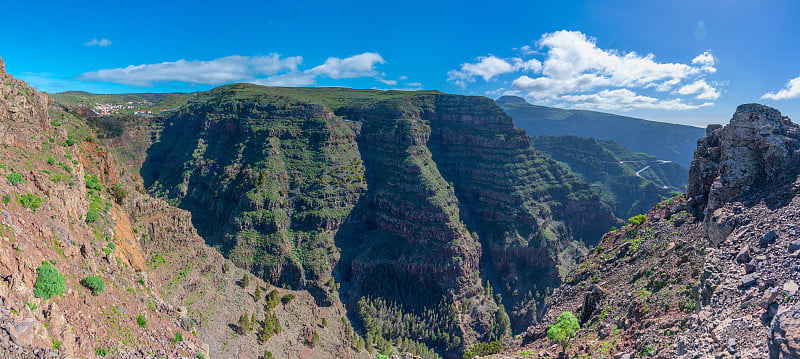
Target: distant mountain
x,y
664,140
631,183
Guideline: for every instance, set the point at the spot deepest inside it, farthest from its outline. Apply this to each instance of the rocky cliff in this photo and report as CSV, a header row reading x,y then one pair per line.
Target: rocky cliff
x,y
709,275
69,212
412,202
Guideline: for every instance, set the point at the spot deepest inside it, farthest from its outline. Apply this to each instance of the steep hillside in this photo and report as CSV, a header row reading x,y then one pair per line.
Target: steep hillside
x,y
155,289
707,276
631,183
401,204
664,140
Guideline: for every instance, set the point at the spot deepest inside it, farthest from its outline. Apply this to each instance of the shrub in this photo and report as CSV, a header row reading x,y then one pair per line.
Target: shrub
x,y
481,349
101,351
637,220
31,201
118,193
178,337
287,298
15,178
564,330
92,216
51,161
56,344
94,283
141,320
245,282
49,281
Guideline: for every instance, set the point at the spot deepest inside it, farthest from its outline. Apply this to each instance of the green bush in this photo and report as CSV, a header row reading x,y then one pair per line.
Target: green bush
x,y
31,201
178,337
141,321
49,281
118,193
564,330
101,351
15,178
287,298
94,283
92,216
637,220
481,349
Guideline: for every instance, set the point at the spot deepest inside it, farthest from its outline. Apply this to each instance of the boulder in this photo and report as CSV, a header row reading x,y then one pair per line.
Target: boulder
x,y
749,279
767,238
783,336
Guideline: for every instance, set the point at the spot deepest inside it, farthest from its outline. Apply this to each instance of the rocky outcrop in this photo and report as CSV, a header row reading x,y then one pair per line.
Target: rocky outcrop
x,y
756,151
729,247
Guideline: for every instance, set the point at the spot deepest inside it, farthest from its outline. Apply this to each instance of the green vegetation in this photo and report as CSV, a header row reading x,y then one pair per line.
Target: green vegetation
x,y
15,178
49,281
118,193
637,220
141,320
245,282
270,326
614,173
178,337
31,201
287,298
95,284
565,328
244,325
481,349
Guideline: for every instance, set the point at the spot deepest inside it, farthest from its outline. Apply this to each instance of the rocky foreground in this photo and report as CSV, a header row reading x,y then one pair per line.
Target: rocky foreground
x,y
713,274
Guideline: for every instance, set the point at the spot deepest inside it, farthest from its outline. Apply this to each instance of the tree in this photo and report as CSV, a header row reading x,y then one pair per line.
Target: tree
x,y
564,330
244,324
245,281
257,294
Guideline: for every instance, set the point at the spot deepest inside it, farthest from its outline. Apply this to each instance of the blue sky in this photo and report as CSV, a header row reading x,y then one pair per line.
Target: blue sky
x,y
678,61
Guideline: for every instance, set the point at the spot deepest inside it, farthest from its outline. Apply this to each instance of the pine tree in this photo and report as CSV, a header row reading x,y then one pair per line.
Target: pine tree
x,y
245,281
244,325
257,294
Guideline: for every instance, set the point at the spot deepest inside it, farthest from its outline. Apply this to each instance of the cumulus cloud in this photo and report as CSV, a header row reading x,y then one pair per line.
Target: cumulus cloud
x,y
701,89
490,66
791,90
272,70
573,69
706,60
624,100
362,65
213,72
96,42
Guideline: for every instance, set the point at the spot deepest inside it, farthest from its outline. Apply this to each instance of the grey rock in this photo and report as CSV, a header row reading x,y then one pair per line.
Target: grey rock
x,y
794,245
783,336
767,238
749,279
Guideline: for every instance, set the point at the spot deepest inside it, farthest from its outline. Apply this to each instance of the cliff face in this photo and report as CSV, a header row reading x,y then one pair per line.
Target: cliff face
x,y
711,274
411,201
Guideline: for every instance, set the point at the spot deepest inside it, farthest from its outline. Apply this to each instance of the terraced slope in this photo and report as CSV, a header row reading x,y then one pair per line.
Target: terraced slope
x,y
411,201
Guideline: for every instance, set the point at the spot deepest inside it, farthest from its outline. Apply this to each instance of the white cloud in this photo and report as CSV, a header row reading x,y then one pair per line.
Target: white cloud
x,y
791,90
291,79
414,84
403,78
624,100
574,69
214,72
490,66
362,65
703,90
386,82
272,70
100,42
706,60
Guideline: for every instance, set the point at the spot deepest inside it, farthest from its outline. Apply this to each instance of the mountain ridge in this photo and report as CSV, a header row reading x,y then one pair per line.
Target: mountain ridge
x,y
664,140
